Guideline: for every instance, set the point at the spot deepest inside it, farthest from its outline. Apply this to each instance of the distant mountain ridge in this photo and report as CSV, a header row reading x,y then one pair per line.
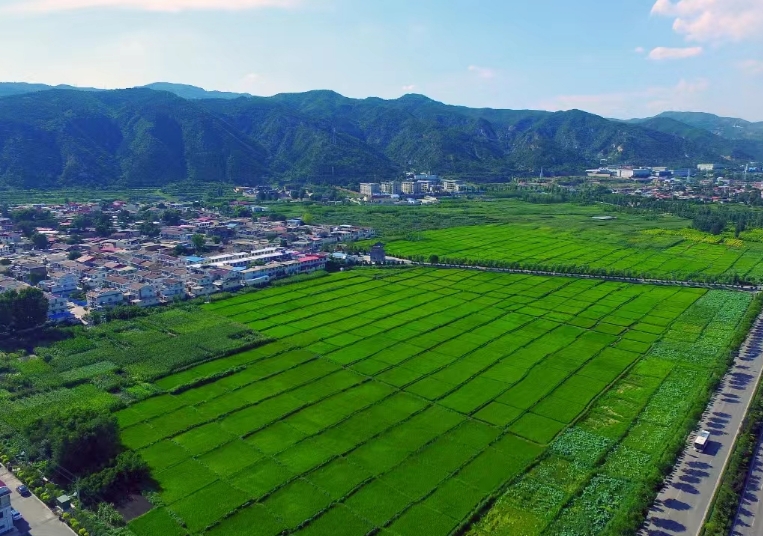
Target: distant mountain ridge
x,y
168,133
184,91
731,128
193,92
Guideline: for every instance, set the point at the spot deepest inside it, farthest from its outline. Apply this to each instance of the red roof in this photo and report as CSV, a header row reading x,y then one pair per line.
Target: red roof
x,y
309,258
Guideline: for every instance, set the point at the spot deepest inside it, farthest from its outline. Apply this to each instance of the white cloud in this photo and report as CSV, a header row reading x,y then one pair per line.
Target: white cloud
x,y
713,20
639,50
173,6
482,72
666,53
751,67
410,87
684,96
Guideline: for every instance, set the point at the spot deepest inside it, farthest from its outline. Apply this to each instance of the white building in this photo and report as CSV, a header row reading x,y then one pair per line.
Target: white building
x,y
453,186
172,289
56,305
6,519
631,173
370,189
142,295
200,285
411,187
390,188
243,259
59,283
231,280
104,298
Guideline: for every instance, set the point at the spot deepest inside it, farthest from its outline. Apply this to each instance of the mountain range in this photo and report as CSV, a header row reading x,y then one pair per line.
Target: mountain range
x,y
166,133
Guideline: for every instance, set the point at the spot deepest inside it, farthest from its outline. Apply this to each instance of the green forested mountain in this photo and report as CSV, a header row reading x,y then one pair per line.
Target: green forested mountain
x,y
147,137
731,128
136,137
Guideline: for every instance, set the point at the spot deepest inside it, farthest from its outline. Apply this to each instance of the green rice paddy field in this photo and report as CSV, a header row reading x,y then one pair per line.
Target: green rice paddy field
x,y
405,401
676,254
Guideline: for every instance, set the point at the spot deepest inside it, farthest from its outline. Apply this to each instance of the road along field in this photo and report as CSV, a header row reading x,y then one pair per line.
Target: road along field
x,y
409,400
588,246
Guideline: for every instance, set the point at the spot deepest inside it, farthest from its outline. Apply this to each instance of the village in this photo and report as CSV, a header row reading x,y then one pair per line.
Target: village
x,y
148,263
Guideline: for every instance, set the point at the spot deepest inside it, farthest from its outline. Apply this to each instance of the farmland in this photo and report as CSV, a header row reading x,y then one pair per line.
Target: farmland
x,y
89,367
560,237
408,400
683,254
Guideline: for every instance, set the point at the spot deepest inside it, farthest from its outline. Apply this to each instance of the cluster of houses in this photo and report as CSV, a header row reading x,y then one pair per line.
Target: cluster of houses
x,y
704,183
128,268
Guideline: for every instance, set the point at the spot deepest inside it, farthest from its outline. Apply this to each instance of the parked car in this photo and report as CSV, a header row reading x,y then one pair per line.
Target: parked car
x,y
23,491
16,515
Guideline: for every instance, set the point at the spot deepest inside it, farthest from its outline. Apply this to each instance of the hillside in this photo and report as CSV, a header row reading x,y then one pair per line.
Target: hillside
x,y
147,137
129,137
731,128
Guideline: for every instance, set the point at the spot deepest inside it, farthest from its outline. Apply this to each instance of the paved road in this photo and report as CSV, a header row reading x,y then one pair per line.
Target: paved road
x,y
749,520
682,505
38,518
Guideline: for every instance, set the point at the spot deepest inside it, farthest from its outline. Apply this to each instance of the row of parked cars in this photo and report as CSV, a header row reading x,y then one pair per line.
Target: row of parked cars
x,y
24,492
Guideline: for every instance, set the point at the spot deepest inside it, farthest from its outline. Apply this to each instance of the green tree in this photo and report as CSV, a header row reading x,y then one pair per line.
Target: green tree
x,y
124,218
82,441
434,259
102,224
333,266
40,241
198,241
30,308
171,217
308,219
179,250
149,228
242,212
81,222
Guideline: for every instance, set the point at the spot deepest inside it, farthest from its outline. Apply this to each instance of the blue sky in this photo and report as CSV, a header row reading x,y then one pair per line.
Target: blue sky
x,y
622,58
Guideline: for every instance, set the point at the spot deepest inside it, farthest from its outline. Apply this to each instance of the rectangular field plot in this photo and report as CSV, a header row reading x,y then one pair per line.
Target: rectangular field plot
x,y
578,245
590,476
401,400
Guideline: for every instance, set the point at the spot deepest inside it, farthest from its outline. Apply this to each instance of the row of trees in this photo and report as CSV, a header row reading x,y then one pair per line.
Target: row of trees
x,y
22,310
710,279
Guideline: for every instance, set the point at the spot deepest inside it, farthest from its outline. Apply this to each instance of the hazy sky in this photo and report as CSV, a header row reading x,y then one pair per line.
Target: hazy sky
x,y
620,58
